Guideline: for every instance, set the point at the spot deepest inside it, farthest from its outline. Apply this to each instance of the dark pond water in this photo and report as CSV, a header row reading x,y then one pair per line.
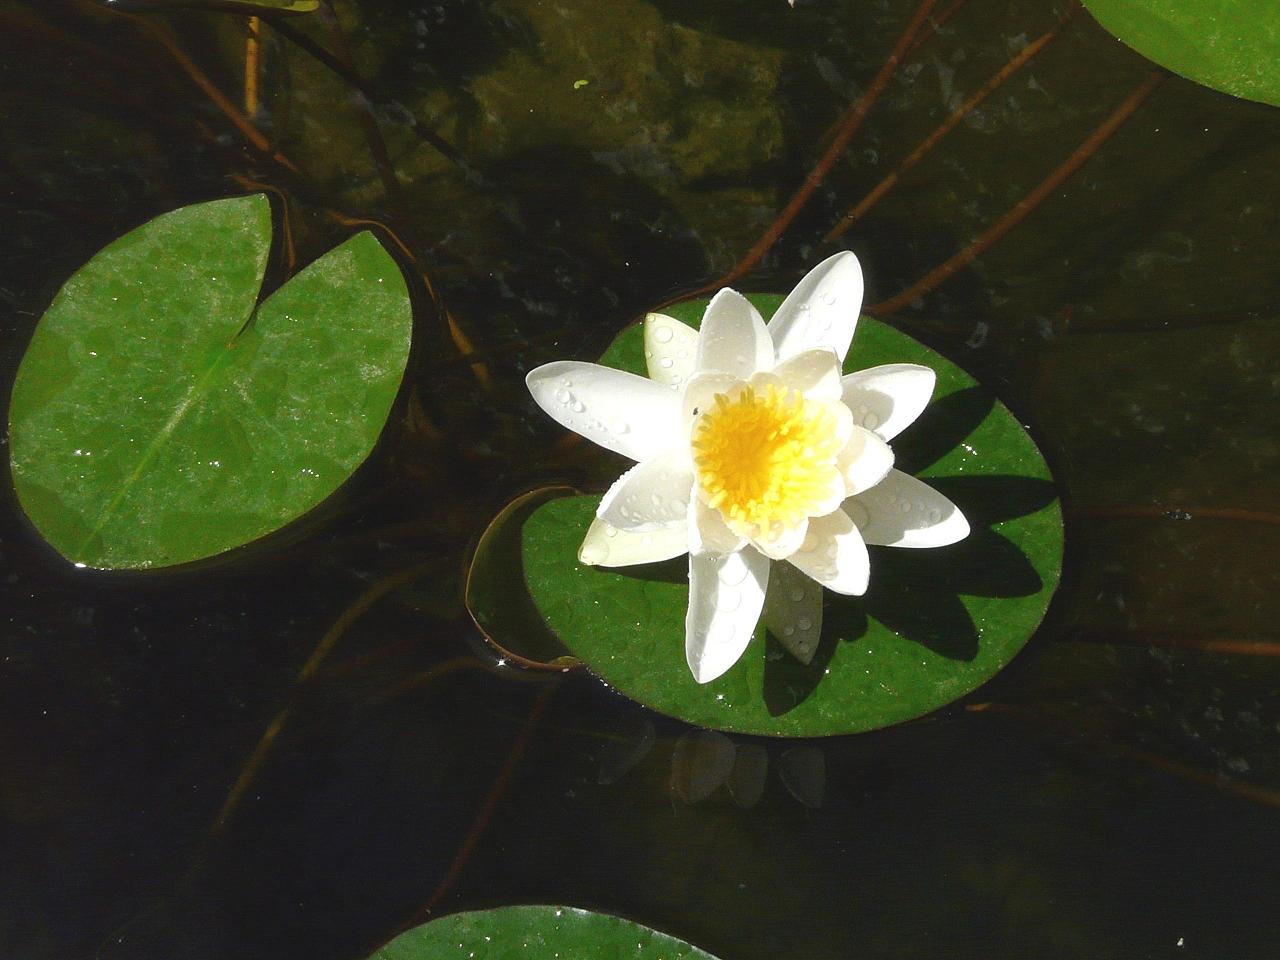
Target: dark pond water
x,y
1112,794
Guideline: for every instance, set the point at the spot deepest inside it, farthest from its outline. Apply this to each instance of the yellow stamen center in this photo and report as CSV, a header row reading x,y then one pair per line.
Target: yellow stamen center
x,y
765,458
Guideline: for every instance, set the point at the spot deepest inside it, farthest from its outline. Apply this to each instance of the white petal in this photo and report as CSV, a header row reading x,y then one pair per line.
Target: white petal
x,y
822,310
651,494
815,373
606,546
733,337
621,412
864,461
793,611
701,392
834,554
708,533
726,594
887,399
670,349
782,541
902,511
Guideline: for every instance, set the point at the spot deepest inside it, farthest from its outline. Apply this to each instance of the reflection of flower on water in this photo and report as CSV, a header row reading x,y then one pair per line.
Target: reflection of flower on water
x,y
703,761
752,448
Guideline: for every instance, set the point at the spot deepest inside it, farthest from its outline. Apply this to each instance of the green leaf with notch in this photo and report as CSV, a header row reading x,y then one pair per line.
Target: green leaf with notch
x,y
535,933
159,417
932,627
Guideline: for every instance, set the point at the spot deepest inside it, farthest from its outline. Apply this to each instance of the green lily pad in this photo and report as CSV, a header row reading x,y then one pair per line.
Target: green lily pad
x,y
160,416
1229,45
535,933
933,625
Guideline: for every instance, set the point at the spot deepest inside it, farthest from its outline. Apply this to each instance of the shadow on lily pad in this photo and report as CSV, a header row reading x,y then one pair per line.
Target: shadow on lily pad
x,y
916,593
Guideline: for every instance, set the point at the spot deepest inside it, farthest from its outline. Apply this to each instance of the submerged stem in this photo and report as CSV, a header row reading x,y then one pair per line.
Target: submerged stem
x,y
1027,204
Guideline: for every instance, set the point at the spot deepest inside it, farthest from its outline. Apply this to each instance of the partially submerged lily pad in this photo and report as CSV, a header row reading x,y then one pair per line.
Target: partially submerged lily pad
x,y
161,415
510,622
1229,45
933,625
535,933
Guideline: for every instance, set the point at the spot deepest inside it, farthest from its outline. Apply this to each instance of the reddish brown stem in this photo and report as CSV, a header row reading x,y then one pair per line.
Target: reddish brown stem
x,y
485,813
931,141
934,24
335,633
242,123
849,125
1184,641
1027,204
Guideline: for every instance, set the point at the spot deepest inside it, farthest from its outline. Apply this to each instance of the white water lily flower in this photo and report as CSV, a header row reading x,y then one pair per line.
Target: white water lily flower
x,y
752,448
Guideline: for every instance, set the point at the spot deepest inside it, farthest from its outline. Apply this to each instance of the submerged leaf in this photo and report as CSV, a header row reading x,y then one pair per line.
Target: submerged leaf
x,y
157,418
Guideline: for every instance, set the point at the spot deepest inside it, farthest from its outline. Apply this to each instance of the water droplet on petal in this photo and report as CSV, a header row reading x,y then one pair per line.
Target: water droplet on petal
x,y
733,573
621,426
829,299
611,531
666,363
797,594
563,395
577,406
871,421
662,334
935,516
804,623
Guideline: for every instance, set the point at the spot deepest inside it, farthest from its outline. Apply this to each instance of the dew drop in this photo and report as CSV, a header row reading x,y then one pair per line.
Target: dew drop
x,y
610,532
804,623
682,354
829,299
797,594
621,426
906,506
788,631
577,406
666,363
871,421
733,573
935,516
662,334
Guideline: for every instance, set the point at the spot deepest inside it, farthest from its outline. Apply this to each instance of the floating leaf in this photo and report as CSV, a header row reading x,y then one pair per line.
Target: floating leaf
x,y
158,418
933,626
1229,45
535,933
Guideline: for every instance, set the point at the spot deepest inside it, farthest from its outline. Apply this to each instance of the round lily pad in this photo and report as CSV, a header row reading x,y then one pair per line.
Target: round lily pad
x,y
933,625
1229,45
535,933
